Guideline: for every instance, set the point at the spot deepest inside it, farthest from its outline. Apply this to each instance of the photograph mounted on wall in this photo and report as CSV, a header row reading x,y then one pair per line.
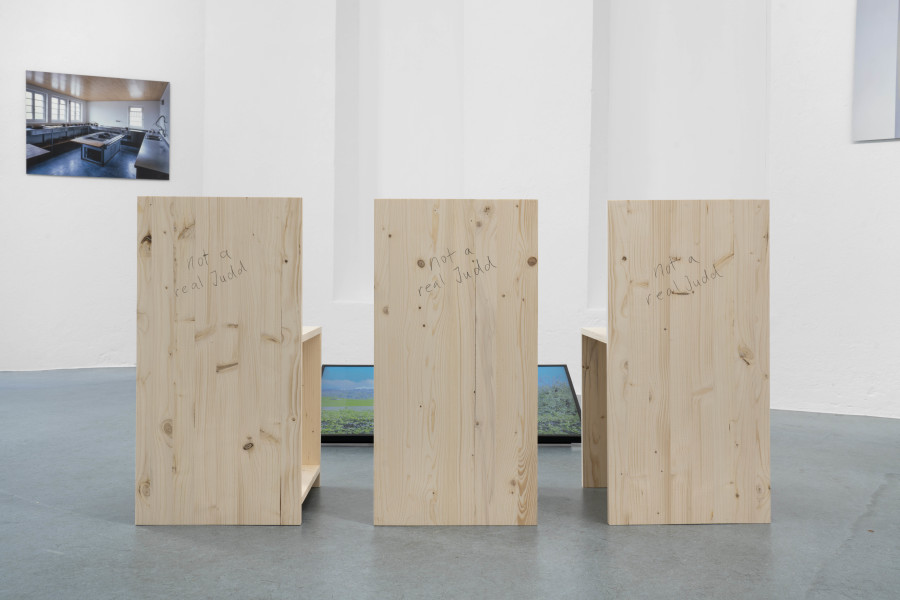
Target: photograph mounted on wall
x,y
89,126
876,71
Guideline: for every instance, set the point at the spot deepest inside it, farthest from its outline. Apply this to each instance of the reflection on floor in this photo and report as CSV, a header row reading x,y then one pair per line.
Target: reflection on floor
x,y
70,163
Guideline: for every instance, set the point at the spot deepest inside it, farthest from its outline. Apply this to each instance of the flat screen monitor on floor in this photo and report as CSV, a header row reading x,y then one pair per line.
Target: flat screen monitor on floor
x,y
348,412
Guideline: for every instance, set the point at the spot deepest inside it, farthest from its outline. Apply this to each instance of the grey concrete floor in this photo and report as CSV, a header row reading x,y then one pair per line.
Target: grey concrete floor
x,y
66,514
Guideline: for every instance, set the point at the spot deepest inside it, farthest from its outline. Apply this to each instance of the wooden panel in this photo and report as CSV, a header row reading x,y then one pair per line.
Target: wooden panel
x,y
309,479
455,362
91,87
291,375
312,402
593,412
688,389
311,331
595,333
219,361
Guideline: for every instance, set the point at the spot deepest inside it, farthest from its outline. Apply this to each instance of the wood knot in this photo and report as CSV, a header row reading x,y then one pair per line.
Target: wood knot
x,y
746,354
145,489
248,445
148,239
624,258
532,261
477,223
421,263
187,231
167,427
385,310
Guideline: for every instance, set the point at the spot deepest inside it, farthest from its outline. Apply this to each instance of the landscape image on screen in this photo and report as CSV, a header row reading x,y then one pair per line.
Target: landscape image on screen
x,y
557,406
348,394
348,401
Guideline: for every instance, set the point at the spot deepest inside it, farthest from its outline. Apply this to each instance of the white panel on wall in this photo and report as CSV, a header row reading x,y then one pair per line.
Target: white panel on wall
x,y
875,94
354,167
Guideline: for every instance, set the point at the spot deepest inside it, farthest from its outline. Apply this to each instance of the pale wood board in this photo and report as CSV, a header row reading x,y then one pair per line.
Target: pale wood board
x,y
456,366
595,333
311,331
593,410
688,369
312,401
218,366
309,479
291,373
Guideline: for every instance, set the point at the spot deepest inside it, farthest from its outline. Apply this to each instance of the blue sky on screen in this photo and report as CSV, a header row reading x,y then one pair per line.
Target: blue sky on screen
x,y
355,377
348,377
551,375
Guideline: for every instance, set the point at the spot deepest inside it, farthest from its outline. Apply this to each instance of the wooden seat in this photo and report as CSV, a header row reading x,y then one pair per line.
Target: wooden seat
x,y
311,409
595,333
675,410
456,362
228,379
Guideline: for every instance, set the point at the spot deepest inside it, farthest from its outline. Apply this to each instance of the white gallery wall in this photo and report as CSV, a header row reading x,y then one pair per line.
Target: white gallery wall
x,y
474,99
269,122
835,222
571,103
67,253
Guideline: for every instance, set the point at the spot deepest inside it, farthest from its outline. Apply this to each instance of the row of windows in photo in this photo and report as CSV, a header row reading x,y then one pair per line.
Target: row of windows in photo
x,y
62,110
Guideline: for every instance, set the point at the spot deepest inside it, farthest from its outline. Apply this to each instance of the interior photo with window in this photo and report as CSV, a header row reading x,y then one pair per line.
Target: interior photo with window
x,y
87,126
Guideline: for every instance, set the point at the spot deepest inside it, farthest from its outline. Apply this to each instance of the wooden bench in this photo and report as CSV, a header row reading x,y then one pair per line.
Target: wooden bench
x,y
456,362
675,409
593,406
228,404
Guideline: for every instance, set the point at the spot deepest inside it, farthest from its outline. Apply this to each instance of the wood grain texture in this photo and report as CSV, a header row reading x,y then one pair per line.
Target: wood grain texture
x,y
311,331
219,361
595,333
455,362
312,401
593,411
688,362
